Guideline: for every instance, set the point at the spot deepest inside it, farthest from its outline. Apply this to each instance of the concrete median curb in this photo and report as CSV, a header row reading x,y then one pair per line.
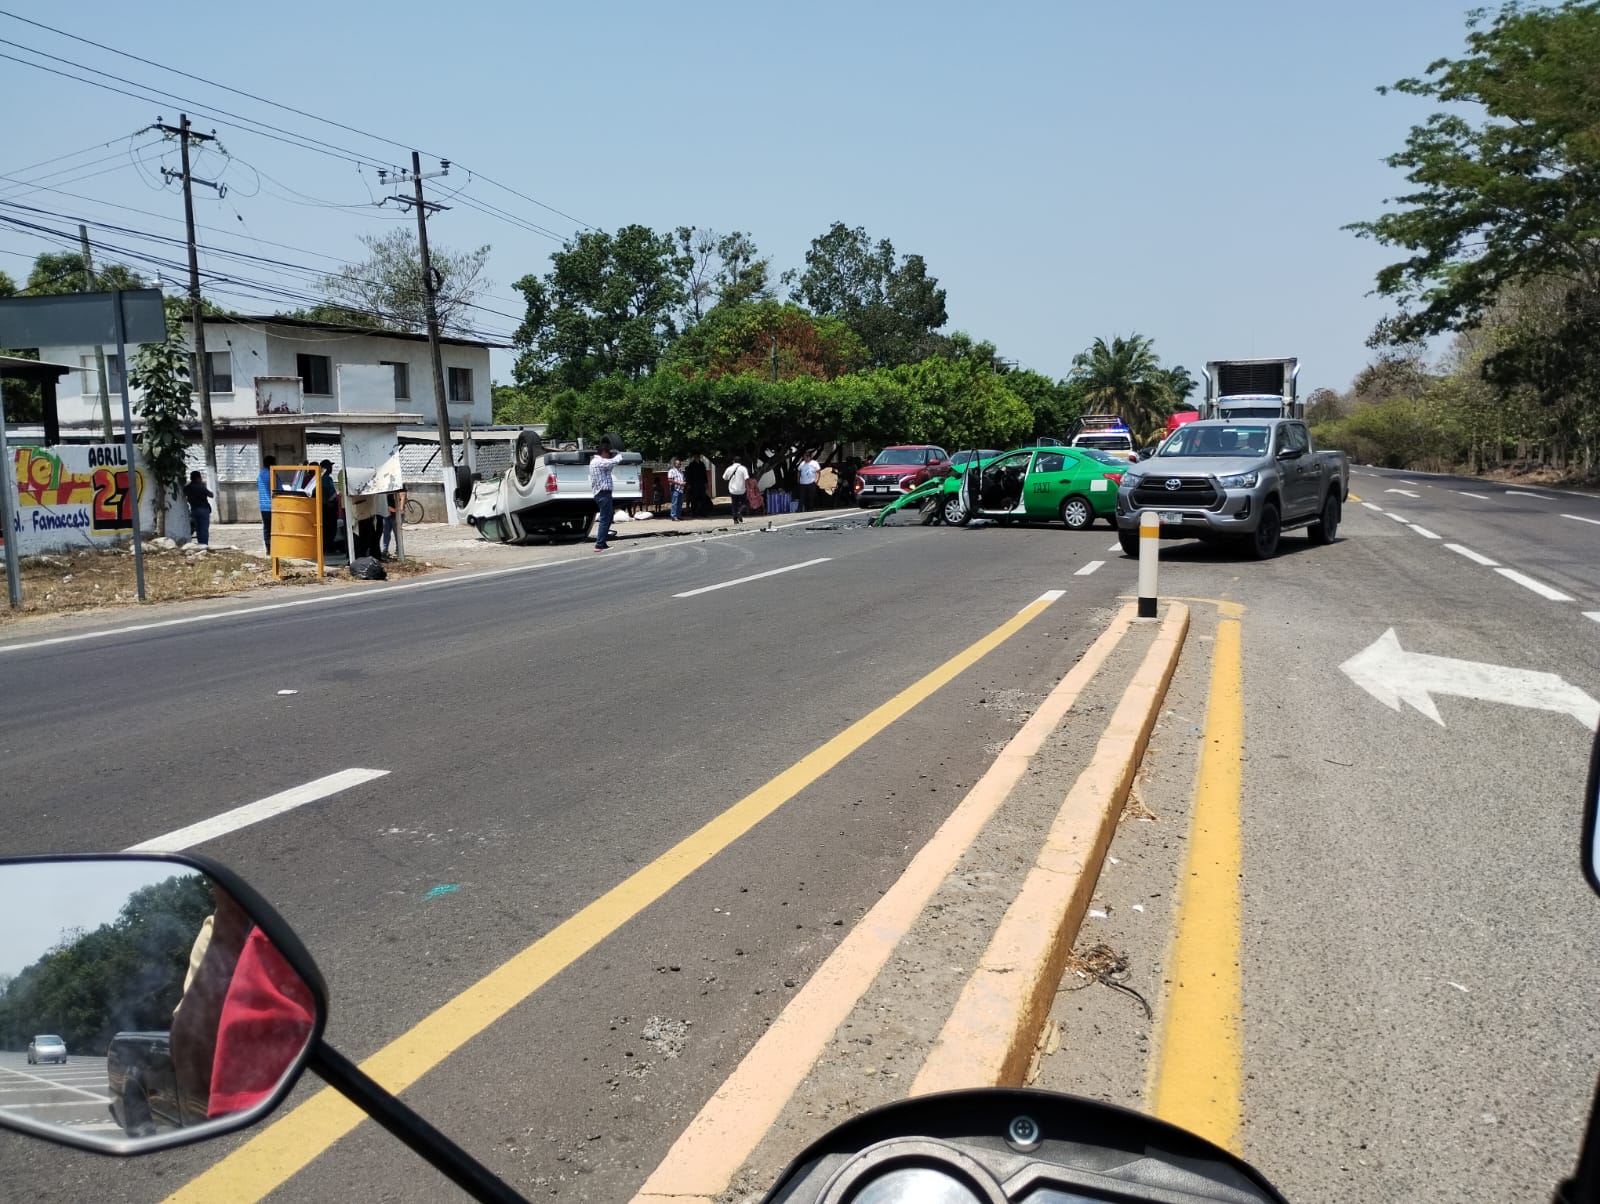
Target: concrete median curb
x,y
989,1037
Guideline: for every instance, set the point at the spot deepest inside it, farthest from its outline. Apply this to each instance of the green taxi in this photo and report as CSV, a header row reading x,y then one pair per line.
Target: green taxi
x,y
1073,485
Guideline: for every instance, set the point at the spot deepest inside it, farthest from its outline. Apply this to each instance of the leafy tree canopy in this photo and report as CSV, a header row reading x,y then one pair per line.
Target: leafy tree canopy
x,y
54,273
386,290
758,336
893,304
719,269
1124,377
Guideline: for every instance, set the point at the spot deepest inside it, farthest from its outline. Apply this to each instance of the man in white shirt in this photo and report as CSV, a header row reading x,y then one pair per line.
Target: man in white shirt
x,y
601,485
736,475
675,482
808,473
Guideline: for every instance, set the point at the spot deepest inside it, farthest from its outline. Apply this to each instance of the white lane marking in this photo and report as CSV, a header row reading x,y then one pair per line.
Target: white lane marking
x,y
1116,547
1538,587
1423,531
1050,595
357,595
1405,492
1408,482
788,568
1524,493
1373,506
1481,497
1399,518
41,1081
1089,568
1475,557
1578,518
72,1103
254,813
1592,614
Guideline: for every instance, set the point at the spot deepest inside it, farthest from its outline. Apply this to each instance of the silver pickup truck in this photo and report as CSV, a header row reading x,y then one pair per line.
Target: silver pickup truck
x,y
1249,480
545,493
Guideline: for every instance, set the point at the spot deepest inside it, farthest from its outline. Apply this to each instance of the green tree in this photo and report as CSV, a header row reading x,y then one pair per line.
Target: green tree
x,y
719,269
960,403
55,273
605,309
1124,377
893,304
1180,385
8,287
1054,404
161,372
761,337
386,291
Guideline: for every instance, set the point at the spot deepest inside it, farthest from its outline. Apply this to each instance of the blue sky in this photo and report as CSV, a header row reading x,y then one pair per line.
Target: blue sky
x,y
1068,170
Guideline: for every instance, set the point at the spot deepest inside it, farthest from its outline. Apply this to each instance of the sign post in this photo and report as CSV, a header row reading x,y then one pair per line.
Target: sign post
x,y
8,500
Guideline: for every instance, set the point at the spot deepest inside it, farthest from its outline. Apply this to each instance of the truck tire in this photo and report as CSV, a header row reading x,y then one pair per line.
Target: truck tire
x,y
1264,541
528,449
1077,513
1128,537
616,442
463,486
1326,528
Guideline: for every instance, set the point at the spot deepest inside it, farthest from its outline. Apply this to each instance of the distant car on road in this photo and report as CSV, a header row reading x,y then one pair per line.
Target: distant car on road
x,y
46,1048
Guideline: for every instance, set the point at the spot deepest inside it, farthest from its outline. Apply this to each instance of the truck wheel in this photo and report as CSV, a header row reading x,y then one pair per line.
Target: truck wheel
x,y
1128,537
137,1120
1264,543
528,449
463,487
1326,527
1077,514
954,512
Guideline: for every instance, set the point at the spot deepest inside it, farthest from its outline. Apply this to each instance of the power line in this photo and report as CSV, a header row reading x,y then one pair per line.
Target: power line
x,y
531,200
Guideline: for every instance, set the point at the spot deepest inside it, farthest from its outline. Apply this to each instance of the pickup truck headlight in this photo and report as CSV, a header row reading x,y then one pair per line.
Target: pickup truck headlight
x,y
1243,480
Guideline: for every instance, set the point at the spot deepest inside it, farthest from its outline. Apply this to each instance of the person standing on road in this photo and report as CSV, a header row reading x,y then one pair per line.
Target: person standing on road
x,y
675,482
199,499
330,508
264,499
808,472
601,485
737,476
695,478
396,504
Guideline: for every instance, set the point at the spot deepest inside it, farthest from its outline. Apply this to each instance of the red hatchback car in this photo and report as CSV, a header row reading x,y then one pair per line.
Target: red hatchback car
x,y
896,469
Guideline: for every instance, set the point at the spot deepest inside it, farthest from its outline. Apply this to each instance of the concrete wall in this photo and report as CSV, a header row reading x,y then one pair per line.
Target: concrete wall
x,y
272,351
76,496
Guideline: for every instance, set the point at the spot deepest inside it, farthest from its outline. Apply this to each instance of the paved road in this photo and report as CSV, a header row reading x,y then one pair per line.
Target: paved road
x,y
1417,948
71,1093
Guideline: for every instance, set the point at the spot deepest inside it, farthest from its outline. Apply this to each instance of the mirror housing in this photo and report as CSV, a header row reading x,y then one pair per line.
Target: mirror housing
x,y
204,1005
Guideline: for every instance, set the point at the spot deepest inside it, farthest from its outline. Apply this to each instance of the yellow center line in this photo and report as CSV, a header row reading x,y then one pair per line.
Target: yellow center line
x,y
290,1144
1199,1074
1354,498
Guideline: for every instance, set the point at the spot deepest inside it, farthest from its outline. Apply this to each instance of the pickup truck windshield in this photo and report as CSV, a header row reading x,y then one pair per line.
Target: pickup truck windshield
x,y
1195,439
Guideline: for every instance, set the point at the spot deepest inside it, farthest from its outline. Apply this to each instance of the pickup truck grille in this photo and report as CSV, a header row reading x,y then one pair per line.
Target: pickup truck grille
x,y
1191,492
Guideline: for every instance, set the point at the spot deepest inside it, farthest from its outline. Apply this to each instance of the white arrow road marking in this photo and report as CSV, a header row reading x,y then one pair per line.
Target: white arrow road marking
x,y
1538,587
254,813
1475,557
1479,496
1407,492
1393,676
1578,518
788,568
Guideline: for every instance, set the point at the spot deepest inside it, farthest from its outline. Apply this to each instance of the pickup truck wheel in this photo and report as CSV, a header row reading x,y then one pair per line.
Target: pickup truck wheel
x,y
1129,539
529,448
463,489
1077,514
136,1118
954,512
1326,527
1264,543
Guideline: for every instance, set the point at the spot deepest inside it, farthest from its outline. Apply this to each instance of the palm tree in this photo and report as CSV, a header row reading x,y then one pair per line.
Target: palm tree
x,y
1180,384
1125,378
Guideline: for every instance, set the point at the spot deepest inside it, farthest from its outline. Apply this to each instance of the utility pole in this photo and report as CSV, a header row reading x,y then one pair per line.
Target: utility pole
x,y
99,351
430,287
196,309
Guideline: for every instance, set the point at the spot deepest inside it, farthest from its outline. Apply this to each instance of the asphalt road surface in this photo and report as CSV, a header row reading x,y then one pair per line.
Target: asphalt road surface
x,y
71,1094
1417,946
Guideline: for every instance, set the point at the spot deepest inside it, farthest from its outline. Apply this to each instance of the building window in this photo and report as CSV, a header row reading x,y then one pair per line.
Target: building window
x,y
220,378
402,379
461,385
91,376
316,374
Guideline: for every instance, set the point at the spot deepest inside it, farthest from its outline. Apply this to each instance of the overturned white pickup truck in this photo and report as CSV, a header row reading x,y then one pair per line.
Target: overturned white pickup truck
x,y
545,493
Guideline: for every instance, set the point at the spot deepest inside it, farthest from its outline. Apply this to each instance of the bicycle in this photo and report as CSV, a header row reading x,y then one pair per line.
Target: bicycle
x,y
411,514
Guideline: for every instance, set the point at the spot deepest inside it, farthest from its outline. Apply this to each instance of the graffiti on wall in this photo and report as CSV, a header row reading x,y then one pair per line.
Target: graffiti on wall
x,y
74,495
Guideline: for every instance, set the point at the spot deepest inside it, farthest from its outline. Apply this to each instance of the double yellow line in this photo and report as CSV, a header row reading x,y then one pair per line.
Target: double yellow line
x,y
291,1143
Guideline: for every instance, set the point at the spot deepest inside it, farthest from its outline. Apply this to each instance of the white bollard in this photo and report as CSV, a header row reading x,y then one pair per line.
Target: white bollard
x,y
1149,559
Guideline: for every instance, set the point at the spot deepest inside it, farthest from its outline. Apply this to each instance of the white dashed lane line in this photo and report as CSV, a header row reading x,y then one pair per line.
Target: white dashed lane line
x,y
254,813
1423,531
1371,506
1578,518
1475,557
1090,567
1399,518
1538,587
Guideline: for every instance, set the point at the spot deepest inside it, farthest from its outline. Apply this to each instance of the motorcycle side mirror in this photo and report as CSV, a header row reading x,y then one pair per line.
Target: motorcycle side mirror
x,y
181,1005
1591,820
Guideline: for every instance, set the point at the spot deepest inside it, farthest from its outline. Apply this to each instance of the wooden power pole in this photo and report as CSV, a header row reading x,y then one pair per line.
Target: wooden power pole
x,y
430,293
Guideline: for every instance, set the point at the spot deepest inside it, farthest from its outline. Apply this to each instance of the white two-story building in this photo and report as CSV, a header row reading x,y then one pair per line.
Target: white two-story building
x,y
241,349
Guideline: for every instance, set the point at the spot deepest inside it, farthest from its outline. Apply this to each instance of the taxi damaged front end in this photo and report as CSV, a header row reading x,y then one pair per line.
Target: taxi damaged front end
x,y
1190,503
911,498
